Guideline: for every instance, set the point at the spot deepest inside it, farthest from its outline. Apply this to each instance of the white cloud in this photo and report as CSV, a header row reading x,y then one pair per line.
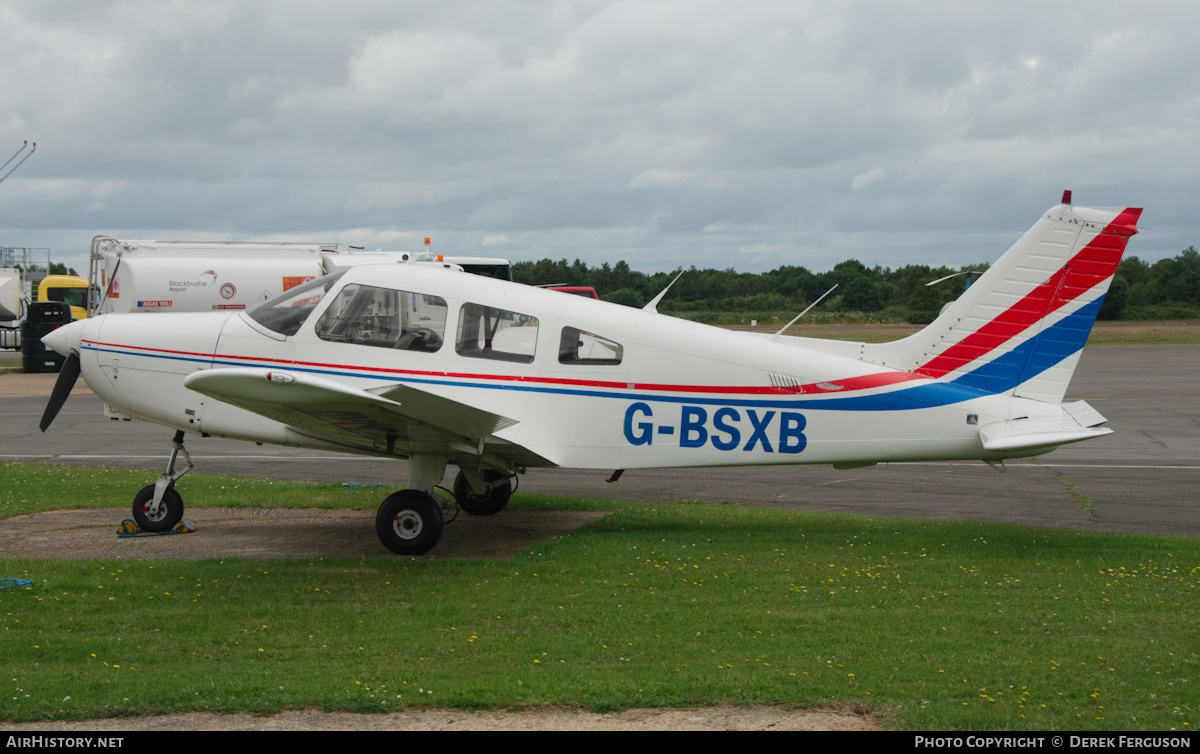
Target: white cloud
x,y
664,132
862,180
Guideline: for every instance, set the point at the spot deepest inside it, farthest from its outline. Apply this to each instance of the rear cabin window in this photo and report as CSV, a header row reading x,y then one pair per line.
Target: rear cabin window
x,y
485,332
385,318
581,347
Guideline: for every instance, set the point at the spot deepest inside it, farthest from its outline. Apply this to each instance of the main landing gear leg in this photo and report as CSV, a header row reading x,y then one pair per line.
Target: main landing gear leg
x,y
410,521
158,507
482,492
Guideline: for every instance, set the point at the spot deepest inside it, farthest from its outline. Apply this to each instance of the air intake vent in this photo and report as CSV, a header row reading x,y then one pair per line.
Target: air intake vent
x,y
785,384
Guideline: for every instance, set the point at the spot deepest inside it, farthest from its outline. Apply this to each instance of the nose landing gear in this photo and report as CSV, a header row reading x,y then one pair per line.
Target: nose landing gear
x,y
158,507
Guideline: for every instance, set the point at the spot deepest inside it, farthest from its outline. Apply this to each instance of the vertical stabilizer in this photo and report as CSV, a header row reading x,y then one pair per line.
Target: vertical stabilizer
x,y
1020,328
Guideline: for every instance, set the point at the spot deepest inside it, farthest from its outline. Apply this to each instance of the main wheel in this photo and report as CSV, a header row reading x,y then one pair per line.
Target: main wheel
x,y
409,523
170,510
482,505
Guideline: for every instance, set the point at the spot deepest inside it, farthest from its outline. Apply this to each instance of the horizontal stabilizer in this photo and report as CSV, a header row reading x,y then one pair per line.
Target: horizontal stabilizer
x,y
1083,413
1079,421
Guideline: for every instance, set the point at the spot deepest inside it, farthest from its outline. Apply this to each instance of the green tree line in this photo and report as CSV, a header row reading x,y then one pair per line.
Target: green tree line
x,y
56,268
1167,289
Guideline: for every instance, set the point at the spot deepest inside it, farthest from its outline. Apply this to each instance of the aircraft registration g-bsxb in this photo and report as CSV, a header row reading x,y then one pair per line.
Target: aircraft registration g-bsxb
x,y
446,368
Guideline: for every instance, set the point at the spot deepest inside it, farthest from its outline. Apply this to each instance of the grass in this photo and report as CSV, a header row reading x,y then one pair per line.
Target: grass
x,y
1153,333
1080,499
928,624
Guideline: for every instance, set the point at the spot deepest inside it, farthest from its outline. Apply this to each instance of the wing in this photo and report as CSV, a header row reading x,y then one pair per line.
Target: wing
x,y
399,420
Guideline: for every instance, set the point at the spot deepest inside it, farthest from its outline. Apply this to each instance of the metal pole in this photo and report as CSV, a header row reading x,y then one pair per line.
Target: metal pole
x,y
23,159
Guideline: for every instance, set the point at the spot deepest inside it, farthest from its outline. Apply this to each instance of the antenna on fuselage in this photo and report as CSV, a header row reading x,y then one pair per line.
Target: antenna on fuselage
x,y
968,273
801,314
653,305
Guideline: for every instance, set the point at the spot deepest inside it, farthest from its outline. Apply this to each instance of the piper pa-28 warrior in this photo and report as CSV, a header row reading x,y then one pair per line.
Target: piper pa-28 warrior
x,y
446,368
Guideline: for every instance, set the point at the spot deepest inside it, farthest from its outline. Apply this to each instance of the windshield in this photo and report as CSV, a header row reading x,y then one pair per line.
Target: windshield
x,y
70,296
285,314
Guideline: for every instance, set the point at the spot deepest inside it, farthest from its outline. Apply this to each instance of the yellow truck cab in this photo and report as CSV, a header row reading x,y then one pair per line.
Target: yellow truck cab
x,y
69,289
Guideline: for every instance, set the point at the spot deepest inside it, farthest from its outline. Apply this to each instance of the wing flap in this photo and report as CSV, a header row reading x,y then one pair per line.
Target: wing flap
x,y
443,412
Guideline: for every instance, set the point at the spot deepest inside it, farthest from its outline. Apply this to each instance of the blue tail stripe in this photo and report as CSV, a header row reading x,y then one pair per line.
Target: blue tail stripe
x,y
1062,342
1000,375
1037,354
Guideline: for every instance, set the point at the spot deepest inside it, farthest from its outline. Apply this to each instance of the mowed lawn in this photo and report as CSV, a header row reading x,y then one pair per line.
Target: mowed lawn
x,y
926,624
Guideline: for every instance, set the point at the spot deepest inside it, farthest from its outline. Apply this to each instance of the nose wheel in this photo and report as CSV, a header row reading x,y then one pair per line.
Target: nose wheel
x,y
158,507
168,513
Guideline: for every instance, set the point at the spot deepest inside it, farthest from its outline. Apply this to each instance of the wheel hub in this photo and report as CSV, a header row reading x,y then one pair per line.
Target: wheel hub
x,y
407,524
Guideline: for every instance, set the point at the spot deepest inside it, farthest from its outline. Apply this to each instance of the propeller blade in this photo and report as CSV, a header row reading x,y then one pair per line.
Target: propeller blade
x,y
62,388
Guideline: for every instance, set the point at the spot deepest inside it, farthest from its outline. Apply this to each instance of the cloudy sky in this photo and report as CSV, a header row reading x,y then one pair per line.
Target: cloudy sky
x,y
723,134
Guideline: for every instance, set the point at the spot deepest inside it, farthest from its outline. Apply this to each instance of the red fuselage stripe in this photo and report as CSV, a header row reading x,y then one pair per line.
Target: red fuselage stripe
x,y
864,382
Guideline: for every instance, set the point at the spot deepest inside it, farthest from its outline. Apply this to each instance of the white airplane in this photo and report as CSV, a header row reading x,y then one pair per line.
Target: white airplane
x,y
446,368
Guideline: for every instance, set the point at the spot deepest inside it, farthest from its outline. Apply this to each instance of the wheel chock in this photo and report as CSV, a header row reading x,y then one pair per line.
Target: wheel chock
x,y
129,528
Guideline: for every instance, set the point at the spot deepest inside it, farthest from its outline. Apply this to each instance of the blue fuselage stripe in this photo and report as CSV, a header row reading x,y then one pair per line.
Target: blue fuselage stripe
x,y
1000,375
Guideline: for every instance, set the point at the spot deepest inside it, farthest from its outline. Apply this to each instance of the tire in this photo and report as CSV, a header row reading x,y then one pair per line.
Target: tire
x,y
485,505
409,523
170,510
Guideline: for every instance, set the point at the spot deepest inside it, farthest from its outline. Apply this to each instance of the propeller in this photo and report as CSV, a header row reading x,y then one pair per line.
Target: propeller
x,y
62,388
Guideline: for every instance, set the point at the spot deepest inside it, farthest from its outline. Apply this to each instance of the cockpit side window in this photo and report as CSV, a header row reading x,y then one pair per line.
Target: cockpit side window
x,y
485,332
285,313
581,347
385,318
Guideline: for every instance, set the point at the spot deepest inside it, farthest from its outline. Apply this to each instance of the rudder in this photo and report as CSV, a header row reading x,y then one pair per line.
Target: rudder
x,y
1021,327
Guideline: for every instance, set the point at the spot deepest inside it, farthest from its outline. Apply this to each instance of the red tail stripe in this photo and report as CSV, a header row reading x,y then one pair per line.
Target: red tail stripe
x,y
1094,263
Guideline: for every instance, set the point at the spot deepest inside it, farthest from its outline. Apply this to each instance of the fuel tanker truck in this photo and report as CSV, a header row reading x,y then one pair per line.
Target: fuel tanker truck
x,y
186,276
